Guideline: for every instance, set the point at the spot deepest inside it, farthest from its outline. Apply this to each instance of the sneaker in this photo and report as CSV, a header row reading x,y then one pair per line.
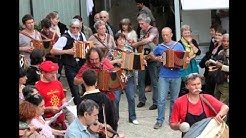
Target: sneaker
x,y
135,122
157,125
141,104
153,107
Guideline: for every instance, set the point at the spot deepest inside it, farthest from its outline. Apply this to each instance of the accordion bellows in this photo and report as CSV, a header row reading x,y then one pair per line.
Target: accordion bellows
x,y
133,61
175,59
81,48
46,45
111,80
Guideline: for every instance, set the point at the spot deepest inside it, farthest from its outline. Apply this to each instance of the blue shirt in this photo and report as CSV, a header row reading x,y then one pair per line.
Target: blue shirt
x,y
77,130
164,71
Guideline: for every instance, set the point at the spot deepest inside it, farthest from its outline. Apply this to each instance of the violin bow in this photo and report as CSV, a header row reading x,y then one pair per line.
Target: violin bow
x,y
104,119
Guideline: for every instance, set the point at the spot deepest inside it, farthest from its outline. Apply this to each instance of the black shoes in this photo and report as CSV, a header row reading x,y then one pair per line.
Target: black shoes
x,y
141,104
157,125
153,107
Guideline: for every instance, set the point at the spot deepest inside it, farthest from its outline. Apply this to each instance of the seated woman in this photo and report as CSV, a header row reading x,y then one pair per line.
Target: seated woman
x,y
27,112
38,121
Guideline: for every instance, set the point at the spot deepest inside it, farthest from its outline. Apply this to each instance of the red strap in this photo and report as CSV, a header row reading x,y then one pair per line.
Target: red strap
x,y
169,47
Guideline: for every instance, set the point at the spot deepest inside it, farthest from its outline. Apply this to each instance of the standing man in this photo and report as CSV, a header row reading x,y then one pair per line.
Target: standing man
x,y
64,47
144,9
169,78
90,81
96,62
26,36
149,40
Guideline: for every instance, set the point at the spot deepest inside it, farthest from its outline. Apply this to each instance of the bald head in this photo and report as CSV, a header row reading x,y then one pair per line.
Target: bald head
x,y
167,34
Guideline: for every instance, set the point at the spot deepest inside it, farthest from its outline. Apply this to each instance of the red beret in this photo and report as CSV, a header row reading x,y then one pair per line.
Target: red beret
x,y
48,66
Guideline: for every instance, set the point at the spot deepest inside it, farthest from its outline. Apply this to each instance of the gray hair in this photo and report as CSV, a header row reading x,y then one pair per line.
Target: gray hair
x,y
185,27
74,22
226,35
99,23
86,105
144,17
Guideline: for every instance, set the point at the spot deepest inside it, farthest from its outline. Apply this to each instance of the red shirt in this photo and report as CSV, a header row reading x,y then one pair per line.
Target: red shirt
x,y
52,93
180,107
105,64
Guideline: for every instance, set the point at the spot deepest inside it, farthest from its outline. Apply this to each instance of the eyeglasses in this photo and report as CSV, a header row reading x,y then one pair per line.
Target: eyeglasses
x,y
75,27
103,17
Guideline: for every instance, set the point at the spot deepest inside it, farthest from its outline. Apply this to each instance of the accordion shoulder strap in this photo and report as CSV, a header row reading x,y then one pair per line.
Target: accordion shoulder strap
x,y
207,103
174,44
100,39
26,34
53,36
44,36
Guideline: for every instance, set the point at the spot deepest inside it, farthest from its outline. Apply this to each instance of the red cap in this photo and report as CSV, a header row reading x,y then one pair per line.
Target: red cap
x,y
48,66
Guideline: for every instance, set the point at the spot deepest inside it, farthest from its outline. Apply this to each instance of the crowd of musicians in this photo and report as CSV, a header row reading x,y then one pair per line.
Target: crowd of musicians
x,y
101,64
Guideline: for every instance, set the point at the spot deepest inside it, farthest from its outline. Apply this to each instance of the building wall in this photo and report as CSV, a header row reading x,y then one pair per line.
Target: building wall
x,y
200,22
66,9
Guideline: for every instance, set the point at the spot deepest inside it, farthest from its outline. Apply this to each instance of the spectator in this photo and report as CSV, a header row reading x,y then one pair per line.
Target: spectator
x,y
223,14
33,72
84,29
22,82
142,9
191,46
104,16
96,18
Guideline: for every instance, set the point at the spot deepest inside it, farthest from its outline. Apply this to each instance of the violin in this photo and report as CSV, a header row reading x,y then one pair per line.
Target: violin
x,y
100,128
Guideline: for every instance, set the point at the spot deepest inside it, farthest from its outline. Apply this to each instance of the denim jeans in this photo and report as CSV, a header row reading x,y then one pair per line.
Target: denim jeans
x,y
164,86
153,70
130,98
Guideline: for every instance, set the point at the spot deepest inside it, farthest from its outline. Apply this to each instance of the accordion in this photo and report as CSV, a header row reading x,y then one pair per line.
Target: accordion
x,y
45,45
111,80
175,59
133,61
81,48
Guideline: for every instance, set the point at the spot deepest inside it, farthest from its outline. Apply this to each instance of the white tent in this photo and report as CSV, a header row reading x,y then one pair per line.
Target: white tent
x,y
204,4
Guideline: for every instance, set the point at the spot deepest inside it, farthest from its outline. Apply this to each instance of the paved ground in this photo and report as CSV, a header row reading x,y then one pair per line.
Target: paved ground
x,y
146,118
